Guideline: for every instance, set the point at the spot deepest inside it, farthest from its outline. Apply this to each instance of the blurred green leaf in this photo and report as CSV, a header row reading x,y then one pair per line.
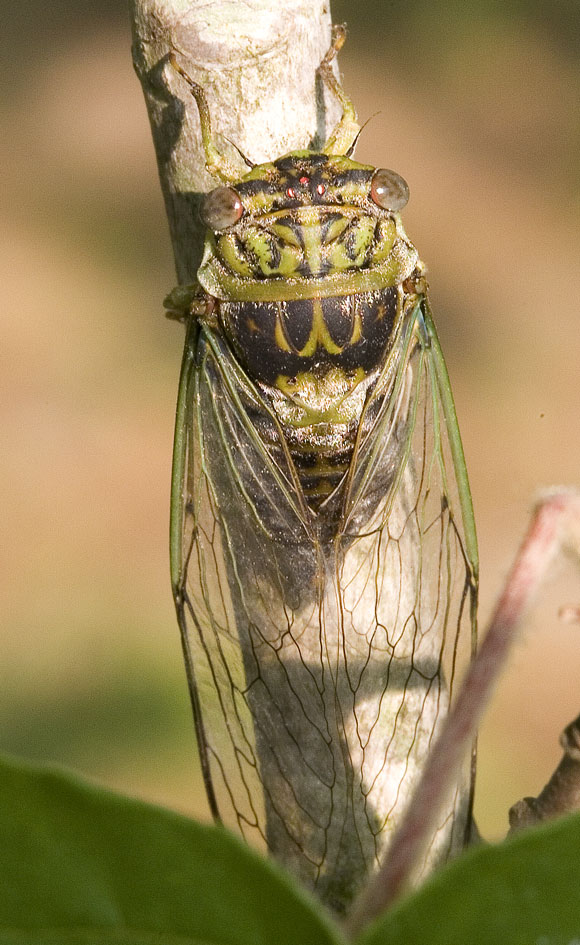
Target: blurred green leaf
x,y
521,892
83,865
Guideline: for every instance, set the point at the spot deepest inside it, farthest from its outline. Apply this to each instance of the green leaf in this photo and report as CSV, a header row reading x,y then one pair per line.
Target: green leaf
x,y
84,866
525,891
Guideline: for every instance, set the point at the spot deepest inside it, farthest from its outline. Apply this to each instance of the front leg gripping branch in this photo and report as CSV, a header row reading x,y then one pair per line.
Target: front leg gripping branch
x,y
216,164
344,136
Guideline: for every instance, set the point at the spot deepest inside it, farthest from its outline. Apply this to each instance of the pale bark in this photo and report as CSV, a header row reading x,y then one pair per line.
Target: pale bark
x,y
257,62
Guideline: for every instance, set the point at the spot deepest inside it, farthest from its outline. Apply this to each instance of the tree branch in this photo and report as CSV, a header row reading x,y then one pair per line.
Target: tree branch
x,y
257,63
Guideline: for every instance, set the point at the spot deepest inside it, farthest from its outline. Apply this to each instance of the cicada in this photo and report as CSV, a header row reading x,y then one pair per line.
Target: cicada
x,y
324,559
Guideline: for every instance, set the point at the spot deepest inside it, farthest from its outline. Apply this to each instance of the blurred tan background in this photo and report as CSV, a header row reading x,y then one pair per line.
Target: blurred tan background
x,y
476,104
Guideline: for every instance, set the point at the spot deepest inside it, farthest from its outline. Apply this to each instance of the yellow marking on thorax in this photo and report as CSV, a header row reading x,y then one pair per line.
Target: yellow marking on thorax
x,y
319,334
280,336
357,329
312,239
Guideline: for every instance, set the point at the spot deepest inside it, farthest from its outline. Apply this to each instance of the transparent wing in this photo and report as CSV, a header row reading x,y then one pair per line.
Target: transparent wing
x,y
407,573
243,559
322,659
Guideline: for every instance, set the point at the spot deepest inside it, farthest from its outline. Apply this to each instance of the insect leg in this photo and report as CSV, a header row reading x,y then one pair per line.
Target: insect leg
x,y
344,135
215,162
186,300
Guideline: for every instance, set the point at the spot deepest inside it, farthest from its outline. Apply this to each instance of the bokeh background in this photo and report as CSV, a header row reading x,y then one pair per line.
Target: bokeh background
x,y
476,104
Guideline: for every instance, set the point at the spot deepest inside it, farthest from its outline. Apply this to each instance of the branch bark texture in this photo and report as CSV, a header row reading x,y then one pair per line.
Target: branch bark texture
x,y
257,63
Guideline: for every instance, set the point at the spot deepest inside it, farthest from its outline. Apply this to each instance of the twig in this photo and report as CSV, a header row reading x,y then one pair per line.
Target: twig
x,y
555,524
561,795
257,64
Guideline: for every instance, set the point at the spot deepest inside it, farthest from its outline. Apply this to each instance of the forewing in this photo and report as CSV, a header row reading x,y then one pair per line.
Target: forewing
x,y
246,563
407,578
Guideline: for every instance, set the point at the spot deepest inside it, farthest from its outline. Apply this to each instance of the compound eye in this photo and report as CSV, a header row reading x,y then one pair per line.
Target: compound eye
x,y
221,208
389,190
